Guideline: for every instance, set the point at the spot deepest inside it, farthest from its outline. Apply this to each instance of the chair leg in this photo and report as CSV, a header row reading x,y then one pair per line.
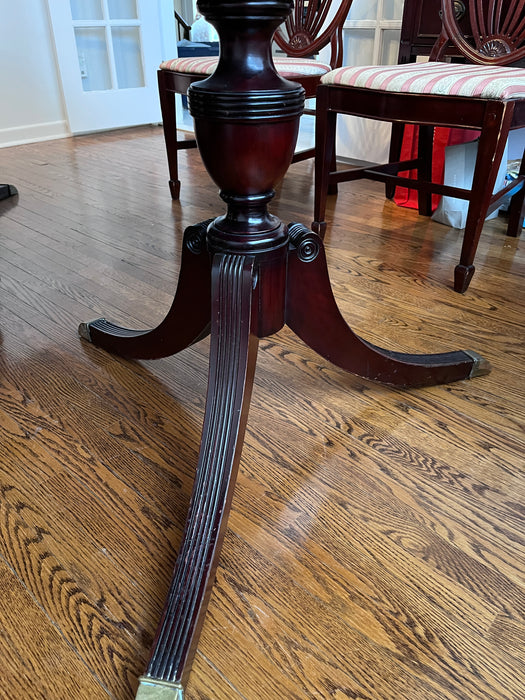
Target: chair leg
x,y
332,186
516,208
424,154
491,146
325,126
394,156
169,125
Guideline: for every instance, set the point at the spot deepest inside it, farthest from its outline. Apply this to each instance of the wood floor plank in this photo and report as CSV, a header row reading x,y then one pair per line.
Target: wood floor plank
x,y
34,649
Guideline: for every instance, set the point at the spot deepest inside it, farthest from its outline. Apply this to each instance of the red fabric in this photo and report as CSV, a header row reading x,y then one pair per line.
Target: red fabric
x,y
443,137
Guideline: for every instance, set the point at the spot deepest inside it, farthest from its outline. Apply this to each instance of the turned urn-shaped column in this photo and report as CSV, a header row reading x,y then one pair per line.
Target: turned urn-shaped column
x,y
246,122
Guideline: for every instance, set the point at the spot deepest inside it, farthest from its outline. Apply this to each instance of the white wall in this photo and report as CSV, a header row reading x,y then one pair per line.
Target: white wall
x,y
186,9
31,102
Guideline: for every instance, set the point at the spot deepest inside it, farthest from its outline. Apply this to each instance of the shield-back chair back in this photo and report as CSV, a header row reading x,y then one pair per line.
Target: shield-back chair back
x,y
484,92
313,25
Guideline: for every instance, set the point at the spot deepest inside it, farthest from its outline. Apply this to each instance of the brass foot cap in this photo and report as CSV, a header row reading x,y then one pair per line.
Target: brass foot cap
x,y
153,689
480,367
83,331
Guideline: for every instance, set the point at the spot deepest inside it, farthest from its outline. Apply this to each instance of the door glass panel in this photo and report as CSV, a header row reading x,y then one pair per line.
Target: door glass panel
x,y
128,61
363,9
359,47
93,58
390,46
86,9
392,9
122,9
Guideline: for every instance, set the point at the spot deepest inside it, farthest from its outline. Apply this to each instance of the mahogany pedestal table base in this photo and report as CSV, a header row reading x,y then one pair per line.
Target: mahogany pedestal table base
x,y
243,276
240,307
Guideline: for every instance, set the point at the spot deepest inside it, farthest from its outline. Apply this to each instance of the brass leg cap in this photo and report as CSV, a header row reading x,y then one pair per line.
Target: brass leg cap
x,y
480,367
83,331
153,689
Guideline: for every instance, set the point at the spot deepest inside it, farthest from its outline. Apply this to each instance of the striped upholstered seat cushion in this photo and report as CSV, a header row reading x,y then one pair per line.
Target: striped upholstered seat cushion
x,y
432,78
286,67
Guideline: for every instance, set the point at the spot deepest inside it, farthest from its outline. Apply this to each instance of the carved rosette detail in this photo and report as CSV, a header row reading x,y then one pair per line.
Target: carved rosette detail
x,y
307,243
309,248
300,40
495,47
195,236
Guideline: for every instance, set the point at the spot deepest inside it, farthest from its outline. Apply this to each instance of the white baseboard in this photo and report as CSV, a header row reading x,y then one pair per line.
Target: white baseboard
x,y
32,133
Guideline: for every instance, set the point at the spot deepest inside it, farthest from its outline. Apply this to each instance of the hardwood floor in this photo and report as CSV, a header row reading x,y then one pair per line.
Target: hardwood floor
x,y
375,545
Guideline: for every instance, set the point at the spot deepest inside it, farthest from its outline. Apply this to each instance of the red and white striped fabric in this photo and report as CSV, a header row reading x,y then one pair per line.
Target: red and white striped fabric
x,y
286,67
433,78
199,65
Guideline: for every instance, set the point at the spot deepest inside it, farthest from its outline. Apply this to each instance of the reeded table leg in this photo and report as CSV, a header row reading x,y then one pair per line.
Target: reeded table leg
x,y
233,354
187,320
312,313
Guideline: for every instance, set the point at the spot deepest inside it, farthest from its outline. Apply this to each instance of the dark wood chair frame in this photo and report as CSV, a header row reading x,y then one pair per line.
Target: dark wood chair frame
x,y
496,34
298,38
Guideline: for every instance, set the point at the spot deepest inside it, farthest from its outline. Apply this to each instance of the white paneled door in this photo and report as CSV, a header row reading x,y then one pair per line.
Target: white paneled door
x,y
108,52
371,36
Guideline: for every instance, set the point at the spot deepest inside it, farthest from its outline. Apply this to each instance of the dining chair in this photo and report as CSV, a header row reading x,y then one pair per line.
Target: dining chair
x,y
311,27
485,93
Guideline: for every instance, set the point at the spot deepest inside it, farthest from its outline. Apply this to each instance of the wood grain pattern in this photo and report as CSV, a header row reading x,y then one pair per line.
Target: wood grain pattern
x,y
375,543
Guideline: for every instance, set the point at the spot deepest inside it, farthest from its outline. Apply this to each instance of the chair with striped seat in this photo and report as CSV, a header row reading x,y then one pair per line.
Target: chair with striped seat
x,y
487,94
311,27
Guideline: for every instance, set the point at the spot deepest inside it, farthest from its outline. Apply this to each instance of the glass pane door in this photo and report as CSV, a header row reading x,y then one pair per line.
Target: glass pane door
x,y
93,59
108,52
127,56
122,9
86,9
107,36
